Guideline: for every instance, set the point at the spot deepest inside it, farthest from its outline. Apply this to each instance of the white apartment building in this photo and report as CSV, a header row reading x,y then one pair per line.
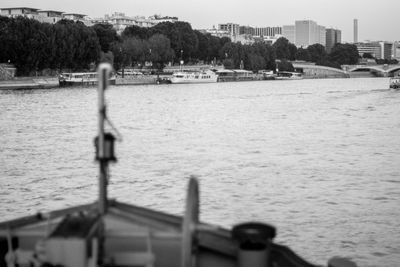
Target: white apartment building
x,y
20,11
305,33
48,16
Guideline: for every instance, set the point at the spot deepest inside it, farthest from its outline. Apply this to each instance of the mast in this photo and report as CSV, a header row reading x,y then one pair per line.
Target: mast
x,y
104,71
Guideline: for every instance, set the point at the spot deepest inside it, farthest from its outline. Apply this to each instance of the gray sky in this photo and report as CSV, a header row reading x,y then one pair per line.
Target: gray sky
x,y
376,19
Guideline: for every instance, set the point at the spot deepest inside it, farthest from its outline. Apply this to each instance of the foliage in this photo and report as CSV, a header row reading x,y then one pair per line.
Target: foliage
x,y
285,65
317,54
282,49
302,54
134,31
161,50
33,46
387,61
344,54
367,55
106,35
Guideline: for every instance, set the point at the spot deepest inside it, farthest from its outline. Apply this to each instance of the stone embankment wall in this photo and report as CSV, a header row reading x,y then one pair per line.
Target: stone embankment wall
x,y
319,73
312,71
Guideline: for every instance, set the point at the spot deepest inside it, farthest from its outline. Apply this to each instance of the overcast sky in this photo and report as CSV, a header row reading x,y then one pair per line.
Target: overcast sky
x,y
377,20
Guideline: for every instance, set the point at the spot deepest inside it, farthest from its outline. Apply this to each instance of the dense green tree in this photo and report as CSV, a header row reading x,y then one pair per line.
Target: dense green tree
x,y
367,55
201,52
233,51
292,51
135,31
344,54
161,51
302,54
183,39
134,50
213,48
106,35
267,53
282,48
285,65
317,54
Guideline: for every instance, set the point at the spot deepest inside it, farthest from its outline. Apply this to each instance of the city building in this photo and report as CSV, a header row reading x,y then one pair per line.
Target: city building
x,y
379,50
216,32
386,50
355,30
289,32
160,19
20,11
333,36
49,16
396,50
246,30
232,28
267,31
321,35
305,33
118,19
74,16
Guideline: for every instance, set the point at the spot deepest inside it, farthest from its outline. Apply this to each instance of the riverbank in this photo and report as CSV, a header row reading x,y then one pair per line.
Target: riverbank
x,y
20,83
29,83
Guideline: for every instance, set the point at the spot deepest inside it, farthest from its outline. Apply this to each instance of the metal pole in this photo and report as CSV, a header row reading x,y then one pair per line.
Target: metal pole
x,y
104,71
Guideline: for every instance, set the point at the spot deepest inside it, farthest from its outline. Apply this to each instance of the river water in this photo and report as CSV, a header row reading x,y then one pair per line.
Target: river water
x,y
319,159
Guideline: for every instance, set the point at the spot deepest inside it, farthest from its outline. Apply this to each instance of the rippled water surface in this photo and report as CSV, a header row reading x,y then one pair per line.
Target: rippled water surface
x,y
319,159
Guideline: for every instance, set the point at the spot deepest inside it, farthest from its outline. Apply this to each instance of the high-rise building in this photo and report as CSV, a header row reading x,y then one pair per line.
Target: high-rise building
x,y
308,32
355,30
289,32
333,36
396,50
321,35
386,49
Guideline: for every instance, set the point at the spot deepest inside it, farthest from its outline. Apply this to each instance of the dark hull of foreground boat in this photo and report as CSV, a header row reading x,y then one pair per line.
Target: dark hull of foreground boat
x,y
129,232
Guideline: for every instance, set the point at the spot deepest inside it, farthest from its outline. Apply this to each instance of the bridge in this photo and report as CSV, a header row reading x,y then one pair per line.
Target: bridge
x,y
377,70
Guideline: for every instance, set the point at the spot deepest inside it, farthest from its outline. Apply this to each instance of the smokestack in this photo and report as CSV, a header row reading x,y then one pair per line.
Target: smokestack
x,y
355,30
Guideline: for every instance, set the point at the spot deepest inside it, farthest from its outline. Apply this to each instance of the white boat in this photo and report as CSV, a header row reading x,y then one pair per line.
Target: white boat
x,y
81,78
194,77
395,82
112,233
288,75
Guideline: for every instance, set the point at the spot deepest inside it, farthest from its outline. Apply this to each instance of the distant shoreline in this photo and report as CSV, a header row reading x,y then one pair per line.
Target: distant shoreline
x,y
21,83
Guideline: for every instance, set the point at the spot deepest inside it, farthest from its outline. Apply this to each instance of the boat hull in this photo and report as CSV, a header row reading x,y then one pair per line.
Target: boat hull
x,y
129,231
394,83
194,77
192,81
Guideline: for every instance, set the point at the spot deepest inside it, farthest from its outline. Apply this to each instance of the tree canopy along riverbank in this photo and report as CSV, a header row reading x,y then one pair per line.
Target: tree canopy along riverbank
x,y
41,47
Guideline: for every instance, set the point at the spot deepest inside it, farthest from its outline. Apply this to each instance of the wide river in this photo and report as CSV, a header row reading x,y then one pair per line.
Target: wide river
x,y
319,159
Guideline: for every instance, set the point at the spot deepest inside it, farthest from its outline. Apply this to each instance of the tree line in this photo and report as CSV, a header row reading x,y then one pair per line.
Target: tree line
x,y
33,47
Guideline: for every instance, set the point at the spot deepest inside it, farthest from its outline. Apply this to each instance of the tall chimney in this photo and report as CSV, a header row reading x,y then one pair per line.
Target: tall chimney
x,y
355,30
